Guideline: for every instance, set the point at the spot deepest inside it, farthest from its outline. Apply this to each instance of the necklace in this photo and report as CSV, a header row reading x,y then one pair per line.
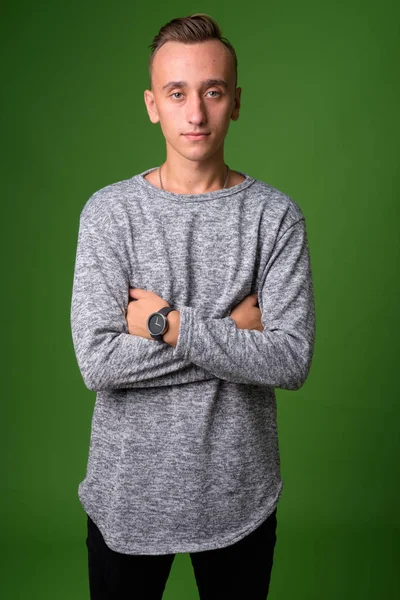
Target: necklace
x,y
225,184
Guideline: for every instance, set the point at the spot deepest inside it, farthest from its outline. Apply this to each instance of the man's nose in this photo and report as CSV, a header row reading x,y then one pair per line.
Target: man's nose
x,y
195,110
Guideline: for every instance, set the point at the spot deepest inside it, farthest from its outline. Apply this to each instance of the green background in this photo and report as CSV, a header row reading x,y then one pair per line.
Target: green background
x,y
319,121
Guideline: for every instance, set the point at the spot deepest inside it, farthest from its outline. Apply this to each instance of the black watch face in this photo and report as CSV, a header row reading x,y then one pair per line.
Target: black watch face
x,y
156,324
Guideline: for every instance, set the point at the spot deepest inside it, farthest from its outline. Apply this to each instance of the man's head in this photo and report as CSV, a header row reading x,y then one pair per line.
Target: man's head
x,y
193,78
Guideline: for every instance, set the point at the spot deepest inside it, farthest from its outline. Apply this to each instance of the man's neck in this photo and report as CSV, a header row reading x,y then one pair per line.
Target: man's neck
x,y
192,177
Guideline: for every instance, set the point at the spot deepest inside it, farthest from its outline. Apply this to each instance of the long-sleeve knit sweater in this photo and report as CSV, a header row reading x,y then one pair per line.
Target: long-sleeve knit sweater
x,y
184,452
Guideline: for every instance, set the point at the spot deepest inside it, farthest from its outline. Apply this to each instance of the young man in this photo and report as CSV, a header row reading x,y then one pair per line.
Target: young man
x,y
170,266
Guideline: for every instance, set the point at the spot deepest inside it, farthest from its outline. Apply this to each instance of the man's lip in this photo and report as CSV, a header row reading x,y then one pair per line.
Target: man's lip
x,y
196,134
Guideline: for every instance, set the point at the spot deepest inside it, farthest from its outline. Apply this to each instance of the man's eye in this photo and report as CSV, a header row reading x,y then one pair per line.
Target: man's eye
x,y
175,93
214,92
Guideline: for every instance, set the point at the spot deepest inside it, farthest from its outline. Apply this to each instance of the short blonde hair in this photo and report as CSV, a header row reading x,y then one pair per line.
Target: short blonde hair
x,y
190,30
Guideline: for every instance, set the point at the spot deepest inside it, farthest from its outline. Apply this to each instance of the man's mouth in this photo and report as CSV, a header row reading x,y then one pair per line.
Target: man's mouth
x,y
195,136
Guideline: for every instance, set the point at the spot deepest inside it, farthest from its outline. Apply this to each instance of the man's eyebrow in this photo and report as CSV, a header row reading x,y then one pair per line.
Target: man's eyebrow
x,y
206,83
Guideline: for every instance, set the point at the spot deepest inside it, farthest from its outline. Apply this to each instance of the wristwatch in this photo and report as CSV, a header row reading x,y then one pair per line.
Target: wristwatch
x,y
157,323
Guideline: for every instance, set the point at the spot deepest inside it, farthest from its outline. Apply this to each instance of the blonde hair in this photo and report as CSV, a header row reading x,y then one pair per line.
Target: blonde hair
x,y
190,30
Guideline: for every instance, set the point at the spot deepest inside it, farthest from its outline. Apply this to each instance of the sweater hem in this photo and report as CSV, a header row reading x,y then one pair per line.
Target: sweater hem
x,y
182,548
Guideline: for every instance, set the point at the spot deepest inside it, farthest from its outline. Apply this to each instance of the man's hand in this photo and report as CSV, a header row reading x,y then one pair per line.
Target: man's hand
x,y
138,311
247,315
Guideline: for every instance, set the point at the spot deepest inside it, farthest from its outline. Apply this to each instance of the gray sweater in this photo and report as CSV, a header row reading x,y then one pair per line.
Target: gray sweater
x,y
183,452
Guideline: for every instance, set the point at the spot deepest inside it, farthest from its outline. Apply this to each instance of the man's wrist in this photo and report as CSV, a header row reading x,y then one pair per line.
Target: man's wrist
x,y
171,336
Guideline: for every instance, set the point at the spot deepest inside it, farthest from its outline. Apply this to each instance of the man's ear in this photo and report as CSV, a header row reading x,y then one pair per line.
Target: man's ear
x,y
151,106
236,109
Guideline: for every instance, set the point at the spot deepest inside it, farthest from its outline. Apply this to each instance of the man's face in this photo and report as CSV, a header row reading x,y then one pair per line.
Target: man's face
x,y
196,104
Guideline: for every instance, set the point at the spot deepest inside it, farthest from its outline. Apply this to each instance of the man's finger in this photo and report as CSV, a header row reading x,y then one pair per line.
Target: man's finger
x,y
137,292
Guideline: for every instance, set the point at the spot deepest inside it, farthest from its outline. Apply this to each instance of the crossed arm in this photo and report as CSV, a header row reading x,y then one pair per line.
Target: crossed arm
x,y
246,315
198,348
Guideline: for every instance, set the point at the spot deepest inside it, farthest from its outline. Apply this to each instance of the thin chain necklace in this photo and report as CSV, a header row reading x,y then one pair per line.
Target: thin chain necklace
x,y
225,184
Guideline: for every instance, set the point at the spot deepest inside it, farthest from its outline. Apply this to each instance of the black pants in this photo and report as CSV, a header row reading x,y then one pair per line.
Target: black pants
x,y
241,570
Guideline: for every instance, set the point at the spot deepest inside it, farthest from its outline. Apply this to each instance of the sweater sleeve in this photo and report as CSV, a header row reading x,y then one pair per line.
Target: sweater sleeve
x,y
108,356
280,356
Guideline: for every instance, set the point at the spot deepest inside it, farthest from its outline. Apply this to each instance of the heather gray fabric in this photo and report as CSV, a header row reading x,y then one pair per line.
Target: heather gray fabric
x,y
184,450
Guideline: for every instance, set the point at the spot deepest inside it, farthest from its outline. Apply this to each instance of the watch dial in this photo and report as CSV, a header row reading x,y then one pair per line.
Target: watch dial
x,y
156,324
